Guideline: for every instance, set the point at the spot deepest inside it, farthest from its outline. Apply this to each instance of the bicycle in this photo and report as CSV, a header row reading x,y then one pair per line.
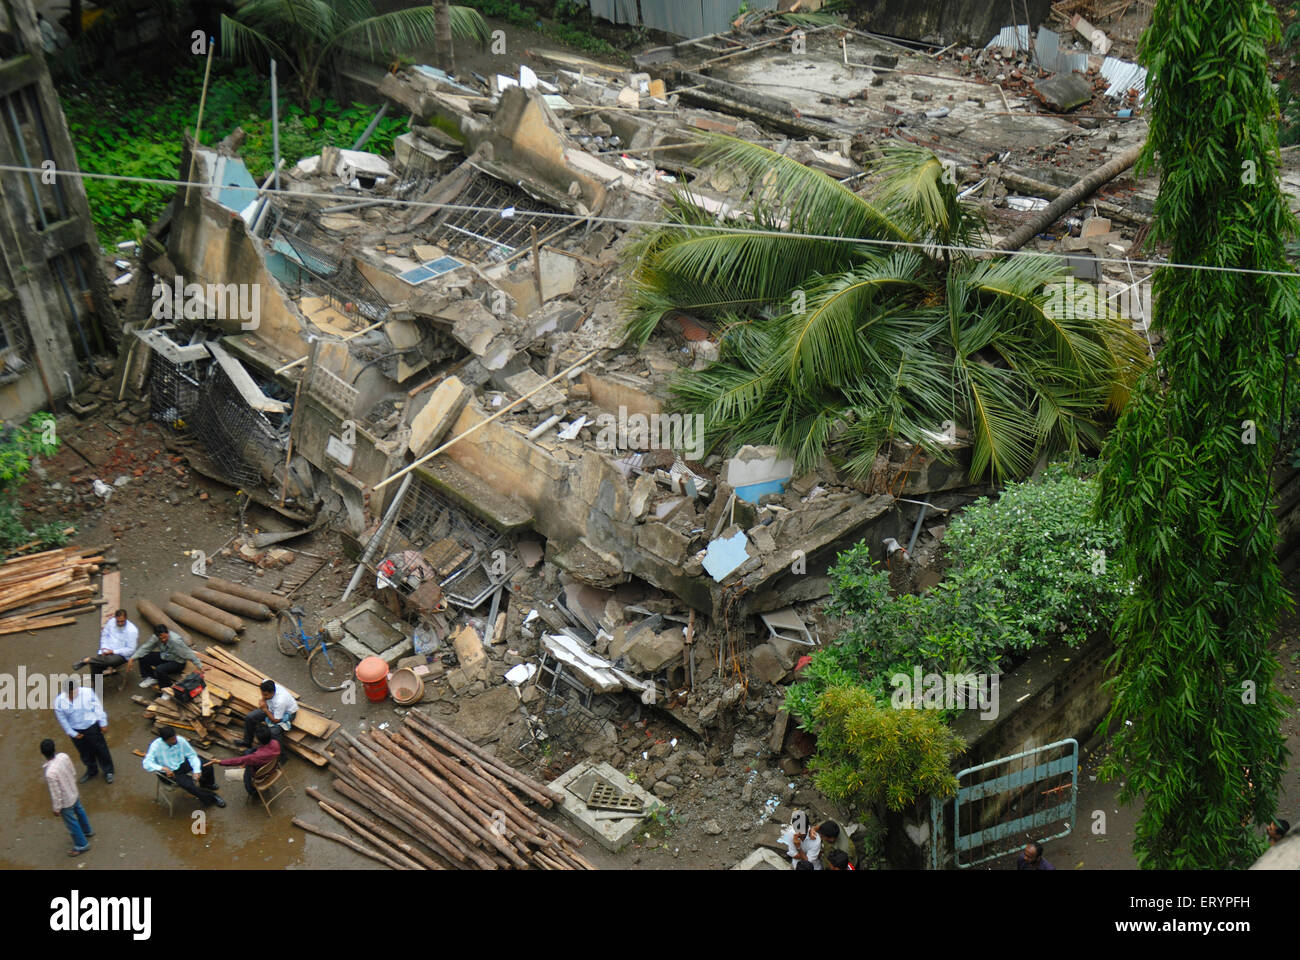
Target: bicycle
x,y
331,666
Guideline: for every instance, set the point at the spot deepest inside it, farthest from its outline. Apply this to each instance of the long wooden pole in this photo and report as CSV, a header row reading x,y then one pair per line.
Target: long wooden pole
x,y
198,128
483,423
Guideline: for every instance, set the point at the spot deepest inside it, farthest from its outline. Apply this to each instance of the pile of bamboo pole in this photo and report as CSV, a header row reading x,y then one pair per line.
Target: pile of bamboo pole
x,y
48,589
429,799
216,611
231,694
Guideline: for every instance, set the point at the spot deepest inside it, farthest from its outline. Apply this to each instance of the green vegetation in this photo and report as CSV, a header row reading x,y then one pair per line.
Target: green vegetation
x,y
1025,571
1028,569
118,128
18,446
830,345
571,24
869,755
1188,474
311,35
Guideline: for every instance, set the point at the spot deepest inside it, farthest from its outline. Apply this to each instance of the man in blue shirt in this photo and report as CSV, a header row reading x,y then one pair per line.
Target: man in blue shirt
x,y
168,757
82,718
1032,858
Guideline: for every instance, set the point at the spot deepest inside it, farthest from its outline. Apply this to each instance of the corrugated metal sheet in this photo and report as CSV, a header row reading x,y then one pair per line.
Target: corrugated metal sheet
x,y
1123,76
1017,37
682,18
1049,55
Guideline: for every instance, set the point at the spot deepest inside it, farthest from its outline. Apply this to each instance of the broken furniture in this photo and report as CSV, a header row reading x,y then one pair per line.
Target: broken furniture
x,y
786,625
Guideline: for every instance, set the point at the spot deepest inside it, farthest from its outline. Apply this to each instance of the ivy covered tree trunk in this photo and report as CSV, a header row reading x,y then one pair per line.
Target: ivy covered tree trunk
x,y
1196,716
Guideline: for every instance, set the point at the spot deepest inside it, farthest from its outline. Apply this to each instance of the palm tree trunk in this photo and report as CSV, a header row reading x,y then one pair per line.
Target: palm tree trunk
x,y
1081,190
442,35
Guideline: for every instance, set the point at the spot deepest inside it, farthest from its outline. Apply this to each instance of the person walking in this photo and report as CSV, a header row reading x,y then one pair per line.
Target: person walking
x,y
82,718
60,777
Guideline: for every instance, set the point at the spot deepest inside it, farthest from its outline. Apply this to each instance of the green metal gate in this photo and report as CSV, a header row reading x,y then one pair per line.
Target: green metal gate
x,y
1004,803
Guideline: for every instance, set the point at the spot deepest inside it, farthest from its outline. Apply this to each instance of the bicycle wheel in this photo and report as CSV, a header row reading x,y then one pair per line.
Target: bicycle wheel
x,y
287,637
331,666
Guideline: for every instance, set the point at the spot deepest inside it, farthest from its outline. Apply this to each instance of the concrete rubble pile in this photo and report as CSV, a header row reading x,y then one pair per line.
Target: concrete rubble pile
x,y
452,313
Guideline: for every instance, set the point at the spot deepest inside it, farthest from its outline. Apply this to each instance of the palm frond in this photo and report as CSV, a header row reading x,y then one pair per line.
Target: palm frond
x,y
244,44
468,24
380,36
812,201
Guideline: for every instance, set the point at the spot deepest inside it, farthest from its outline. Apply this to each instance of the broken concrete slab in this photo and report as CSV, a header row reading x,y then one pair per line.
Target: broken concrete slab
x,y
1064,92
726,554
664,542
763,859
651,651
765,664
612,834
437,415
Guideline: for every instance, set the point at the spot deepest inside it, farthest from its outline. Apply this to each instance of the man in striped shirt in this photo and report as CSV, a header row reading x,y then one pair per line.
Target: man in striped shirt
x,y
60,777
82,718
168,757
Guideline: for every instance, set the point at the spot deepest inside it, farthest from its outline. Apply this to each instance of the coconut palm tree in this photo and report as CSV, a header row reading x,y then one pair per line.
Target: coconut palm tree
x,y
846,321
311,35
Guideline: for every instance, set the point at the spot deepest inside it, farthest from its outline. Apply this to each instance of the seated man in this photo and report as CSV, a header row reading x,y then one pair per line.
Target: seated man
x,y
169,755
117,642
268,749
833,838
163,658
277,712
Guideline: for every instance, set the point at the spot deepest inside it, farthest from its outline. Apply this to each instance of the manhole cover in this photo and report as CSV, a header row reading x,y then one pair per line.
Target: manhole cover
x,y
372,631
605,796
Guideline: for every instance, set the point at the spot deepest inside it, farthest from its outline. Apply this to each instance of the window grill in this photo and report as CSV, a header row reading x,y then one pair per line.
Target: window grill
x,y
15,340
237,438
483,234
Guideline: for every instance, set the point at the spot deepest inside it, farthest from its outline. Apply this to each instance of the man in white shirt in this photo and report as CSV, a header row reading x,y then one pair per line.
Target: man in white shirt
x,y
277,712
116,644
82,718
802,841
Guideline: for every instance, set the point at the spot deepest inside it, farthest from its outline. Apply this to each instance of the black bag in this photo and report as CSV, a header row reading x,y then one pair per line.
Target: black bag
x,y
190,688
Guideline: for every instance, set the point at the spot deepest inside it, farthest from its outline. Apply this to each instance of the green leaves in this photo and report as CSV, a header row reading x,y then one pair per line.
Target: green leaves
x,y
862,343
1204,751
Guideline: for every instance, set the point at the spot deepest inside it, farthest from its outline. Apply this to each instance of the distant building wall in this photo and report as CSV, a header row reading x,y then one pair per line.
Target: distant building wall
x,y
52,292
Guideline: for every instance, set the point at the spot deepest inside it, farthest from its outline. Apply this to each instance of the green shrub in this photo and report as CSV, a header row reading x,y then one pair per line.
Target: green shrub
x,y
1027,569
17,448
869,754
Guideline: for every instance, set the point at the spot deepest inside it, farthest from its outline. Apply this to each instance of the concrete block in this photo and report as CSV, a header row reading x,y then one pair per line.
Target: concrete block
x,y
763,859
653,651
439,413
612,834
1064,92
766,664
663,542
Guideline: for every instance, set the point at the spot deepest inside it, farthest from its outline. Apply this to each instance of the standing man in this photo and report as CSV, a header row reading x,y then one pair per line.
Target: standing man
x,y
1032,858
803,843
163,658
82,718
117,642
168,757
278,708
833,839
59,777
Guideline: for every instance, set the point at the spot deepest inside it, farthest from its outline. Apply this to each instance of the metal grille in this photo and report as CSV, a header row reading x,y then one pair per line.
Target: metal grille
x,y
1003,803
429,527
236,437
173,393
15,341
336,393
338,280
485,234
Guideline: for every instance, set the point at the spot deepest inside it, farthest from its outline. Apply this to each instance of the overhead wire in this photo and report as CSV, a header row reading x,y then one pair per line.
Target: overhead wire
x,y
510,212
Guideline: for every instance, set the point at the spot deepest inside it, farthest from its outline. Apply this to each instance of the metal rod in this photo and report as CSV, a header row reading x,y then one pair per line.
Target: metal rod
x,y
275,126
537,269
916,530
373,546
365,134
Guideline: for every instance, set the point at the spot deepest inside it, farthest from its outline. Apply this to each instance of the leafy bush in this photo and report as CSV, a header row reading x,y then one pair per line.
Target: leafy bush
x,y
135,126
869,754
18,445
1027,569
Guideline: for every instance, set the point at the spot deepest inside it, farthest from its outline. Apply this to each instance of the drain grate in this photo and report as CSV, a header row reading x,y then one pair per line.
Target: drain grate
x,y
605,796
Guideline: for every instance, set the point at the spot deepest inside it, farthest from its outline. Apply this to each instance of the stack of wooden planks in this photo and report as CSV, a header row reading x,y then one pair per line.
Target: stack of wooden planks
x,y
48,589
232,694
432,800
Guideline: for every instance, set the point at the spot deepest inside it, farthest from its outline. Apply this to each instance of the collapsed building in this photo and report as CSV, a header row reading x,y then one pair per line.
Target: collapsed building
x,y
427,351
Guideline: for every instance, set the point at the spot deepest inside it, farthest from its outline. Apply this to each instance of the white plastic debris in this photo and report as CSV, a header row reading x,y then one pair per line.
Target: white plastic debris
x,y
102,490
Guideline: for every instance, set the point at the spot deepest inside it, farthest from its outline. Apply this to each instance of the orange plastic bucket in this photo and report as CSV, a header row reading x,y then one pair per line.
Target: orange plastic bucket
x,y
373,674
